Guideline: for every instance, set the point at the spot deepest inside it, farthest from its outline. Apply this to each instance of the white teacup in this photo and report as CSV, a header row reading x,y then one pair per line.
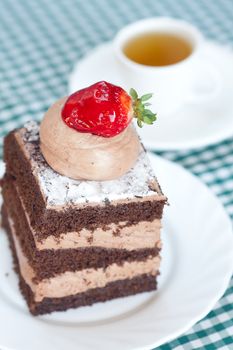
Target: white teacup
x,y
193,79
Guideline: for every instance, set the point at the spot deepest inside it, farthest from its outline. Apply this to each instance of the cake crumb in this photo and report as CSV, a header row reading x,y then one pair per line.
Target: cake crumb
x,y
106,201
90,239
153,186
117,232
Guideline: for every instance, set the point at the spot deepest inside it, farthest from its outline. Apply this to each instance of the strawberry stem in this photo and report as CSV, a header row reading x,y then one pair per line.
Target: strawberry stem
x,y
141,112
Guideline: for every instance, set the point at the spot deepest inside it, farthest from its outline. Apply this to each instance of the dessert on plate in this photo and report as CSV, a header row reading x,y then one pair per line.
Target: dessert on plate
x,y
82,207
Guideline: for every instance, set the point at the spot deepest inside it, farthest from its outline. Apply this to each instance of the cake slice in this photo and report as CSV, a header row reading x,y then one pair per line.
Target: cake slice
x,y
76,242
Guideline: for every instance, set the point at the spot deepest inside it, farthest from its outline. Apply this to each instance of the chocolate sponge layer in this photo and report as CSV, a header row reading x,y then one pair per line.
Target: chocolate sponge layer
x,y
120,288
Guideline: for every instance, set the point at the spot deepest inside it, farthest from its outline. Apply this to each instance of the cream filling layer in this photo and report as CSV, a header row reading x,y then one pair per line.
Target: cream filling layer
x,y
71,283
142,235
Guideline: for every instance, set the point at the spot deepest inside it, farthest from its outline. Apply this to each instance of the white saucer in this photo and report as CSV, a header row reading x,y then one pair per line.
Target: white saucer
x,y
193,125
197,262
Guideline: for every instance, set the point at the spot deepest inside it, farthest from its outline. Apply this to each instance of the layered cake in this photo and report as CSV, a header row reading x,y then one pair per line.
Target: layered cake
x,y
82,207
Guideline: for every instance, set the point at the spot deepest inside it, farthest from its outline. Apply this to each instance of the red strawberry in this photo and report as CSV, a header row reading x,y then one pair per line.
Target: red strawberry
x,y
104,109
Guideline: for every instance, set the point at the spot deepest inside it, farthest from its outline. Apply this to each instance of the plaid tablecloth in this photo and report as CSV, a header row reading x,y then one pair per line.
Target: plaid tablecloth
x,y
40,40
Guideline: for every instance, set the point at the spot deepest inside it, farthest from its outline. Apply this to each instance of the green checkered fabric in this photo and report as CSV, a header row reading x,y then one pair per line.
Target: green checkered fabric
x,y
40,40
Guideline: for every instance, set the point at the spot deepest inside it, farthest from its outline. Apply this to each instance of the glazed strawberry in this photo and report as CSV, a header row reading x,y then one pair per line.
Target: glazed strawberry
x,y
105,109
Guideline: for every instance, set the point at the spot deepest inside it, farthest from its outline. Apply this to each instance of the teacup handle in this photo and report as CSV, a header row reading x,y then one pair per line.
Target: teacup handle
x,y
208,84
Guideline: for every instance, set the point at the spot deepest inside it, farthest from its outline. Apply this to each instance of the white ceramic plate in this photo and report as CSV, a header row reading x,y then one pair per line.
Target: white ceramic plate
x,y
193,125
196,268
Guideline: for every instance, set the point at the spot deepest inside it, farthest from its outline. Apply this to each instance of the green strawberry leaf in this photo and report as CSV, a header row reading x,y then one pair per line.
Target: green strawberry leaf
x,y
133,94
145,97
147,120
141,113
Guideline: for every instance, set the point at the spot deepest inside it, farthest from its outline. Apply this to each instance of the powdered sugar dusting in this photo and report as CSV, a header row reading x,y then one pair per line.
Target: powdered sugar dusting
x,y
32,128
60,190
